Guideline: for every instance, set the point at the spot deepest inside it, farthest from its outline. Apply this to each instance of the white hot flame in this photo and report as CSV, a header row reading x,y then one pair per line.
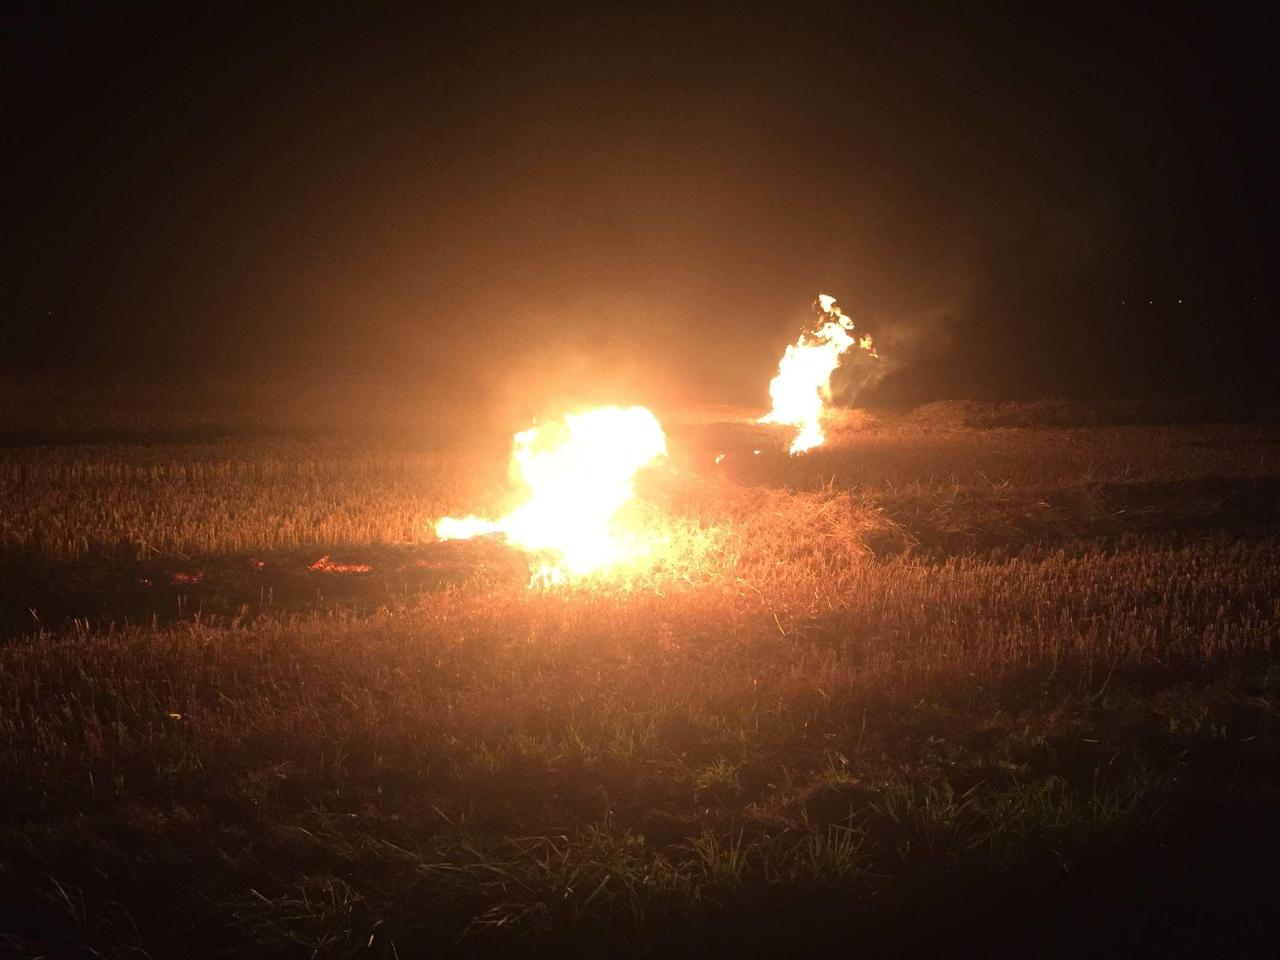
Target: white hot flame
x,y
802,387
579,472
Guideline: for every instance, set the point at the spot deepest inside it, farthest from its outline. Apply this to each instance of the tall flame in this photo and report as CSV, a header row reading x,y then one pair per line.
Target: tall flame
x,y
578,472
802,386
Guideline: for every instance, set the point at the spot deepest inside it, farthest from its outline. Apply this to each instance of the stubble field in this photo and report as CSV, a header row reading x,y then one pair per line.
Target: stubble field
x,y
1013,687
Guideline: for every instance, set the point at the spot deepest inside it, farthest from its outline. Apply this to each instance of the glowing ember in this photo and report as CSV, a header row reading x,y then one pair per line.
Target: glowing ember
x,y
326,565
802,387
578,473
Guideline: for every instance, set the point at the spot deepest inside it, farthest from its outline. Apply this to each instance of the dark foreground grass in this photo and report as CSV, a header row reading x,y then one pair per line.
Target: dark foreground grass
x,y
811,728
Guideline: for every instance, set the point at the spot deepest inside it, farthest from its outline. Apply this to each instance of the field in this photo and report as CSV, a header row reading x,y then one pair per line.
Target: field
x,y
1007,690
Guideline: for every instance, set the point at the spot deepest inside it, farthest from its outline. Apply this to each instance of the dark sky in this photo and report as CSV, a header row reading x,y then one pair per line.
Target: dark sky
x,y
1064,200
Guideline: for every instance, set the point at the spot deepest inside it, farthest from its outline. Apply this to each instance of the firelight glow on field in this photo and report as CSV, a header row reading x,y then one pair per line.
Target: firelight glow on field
x,y
579,472
802,387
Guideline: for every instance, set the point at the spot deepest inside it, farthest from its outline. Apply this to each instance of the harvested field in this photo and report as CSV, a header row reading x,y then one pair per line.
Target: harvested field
x,y
250,707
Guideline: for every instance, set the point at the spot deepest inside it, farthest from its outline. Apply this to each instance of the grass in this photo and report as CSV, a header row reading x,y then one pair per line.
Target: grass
x,y
923,686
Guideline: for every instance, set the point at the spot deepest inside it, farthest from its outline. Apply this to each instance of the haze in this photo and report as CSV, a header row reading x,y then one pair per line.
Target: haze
x,y
611,203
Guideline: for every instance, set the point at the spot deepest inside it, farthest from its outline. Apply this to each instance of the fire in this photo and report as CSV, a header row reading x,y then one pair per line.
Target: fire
x,y
578,474
802,387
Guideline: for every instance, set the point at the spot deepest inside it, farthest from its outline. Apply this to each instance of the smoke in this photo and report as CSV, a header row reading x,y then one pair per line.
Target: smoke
x,y
923,322
911,351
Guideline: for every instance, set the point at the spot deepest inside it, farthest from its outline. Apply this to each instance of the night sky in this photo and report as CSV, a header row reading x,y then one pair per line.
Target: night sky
x,y
1016,203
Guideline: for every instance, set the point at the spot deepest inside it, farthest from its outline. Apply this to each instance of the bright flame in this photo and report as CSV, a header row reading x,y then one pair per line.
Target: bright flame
x,y
579,473
802,387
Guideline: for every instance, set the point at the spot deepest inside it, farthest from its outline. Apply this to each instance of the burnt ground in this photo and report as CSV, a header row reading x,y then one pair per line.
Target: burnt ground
x,y
105,590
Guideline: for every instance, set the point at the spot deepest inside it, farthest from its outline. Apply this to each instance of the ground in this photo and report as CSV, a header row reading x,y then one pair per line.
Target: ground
x,y
932,687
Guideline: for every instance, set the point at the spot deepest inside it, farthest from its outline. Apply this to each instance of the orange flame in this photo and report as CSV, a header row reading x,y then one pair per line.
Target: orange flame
x,y
579,473
802,386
